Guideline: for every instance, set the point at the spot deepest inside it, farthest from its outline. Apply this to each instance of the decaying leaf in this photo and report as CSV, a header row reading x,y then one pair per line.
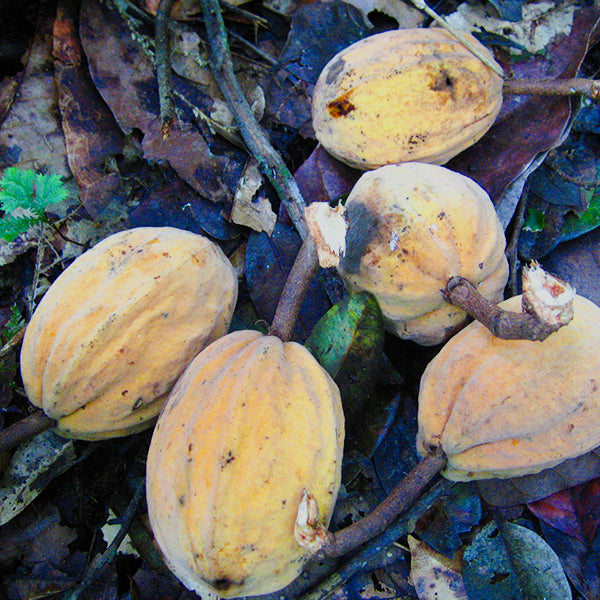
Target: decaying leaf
x,y
433,574
31,468
251,208
510,561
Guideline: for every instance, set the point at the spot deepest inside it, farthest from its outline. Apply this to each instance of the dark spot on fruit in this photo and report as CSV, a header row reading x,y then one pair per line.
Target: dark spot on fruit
x,y
182,500
138,403
341,106
227,458
363,227
416,139
442,82
224,583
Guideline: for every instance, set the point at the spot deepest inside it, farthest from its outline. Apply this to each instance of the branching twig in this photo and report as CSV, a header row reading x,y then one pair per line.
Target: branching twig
x,y
109,554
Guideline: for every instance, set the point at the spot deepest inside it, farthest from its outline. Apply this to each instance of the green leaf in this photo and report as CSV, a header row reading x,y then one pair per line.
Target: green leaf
x,y
49,189
14,324
348,342
24,196
575,225
534,221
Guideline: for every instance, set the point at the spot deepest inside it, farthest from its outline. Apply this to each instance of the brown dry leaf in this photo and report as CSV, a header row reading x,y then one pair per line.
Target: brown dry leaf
x,y
31,136
434,575
125,76
92,136
250,207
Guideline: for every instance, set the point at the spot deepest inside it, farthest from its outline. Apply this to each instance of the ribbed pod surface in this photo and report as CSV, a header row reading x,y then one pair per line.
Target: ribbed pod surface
x,y
502,408
405,95
251,424
411,227
120,324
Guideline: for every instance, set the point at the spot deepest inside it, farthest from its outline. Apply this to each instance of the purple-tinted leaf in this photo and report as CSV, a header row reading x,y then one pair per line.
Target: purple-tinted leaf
x,y
318,31
322,178
575,512
580,562
176,204
92,135
534,124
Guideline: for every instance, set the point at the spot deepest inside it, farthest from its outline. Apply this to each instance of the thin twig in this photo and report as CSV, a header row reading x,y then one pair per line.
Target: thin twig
x,y
109,554
379,544
590,88
15,340
164,74
303,270
25,429
270,162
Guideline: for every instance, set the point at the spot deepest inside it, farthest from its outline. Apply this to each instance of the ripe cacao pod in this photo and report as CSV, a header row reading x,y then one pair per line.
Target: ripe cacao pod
x,y
252,423
504,408
116,329
404,95
412,226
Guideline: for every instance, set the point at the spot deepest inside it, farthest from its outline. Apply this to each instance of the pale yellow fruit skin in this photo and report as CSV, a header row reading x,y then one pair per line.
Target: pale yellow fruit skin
x,y
116,329
404,95
504,408
251,424
412,226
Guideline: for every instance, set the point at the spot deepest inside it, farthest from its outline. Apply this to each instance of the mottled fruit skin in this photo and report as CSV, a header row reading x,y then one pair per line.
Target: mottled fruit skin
x,y
116,329
505,408
404,95
252,423
412,226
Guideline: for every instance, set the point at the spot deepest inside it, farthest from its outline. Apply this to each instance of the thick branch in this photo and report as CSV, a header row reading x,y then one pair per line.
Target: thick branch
x,y
304,269
400,498
258,143
547,306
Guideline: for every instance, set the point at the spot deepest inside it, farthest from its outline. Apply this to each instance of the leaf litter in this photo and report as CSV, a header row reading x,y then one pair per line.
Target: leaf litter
x,y
85,107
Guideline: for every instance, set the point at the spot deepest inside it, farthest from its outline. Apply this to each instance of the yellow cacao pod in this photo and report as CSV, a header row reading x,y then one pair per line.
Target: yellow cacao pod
x,y
404,95
412,226
251,424
503,408
113,333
